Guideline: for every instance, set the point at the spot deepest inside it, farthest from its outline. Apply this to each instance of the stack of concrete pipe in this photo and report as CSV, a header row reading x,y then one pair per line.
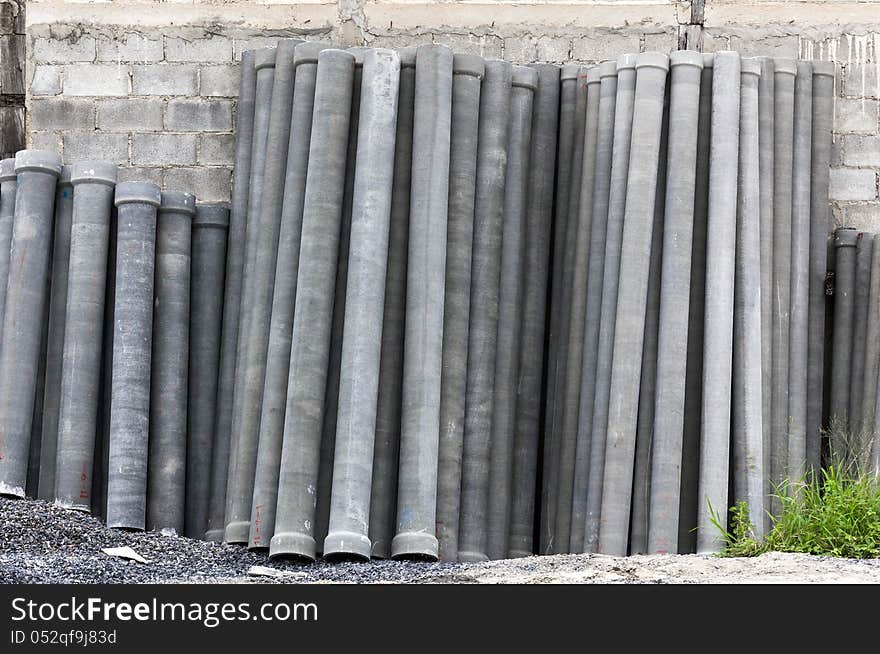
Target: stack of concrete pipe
x,y
468,310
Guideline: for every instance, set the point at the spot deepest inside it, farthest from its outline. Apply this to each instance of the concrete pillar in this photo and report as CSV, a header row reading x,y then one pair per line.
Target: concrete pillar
x,y
783,141
136,205
482,331
257,300
593,296
823,115
864,255
238,218
718,320
693,396
93,187
208,266
166,480
845,241
467,76
567,103
238,471
635,255
623,117
672,336
7,210
365,300
423,340
538,233
766,93
26,295
383,499
274,396
49,401
799,330
313,312
747,392
524,82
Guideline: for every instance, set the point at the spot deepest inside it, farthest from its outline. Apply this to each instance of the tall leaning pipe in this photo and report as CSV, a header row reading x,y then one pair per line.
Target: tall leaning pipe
x,y
620,155
166,479
7,211
747,392
93,187
383,498
845,242
720,278
482,331
823,114
783,143
257,301
423,340
54,340
209,239
567,104
365,300
26,292
592,318
629,333
864,255
799,329
467,77
232,296
672,337
274,401
510,296
536,263
136,205
313,308
872,351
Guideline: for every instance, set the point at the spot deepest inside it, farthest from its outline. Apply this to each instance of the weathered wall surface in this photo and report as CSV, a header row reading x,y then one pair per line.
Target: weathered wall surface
x,y
152,85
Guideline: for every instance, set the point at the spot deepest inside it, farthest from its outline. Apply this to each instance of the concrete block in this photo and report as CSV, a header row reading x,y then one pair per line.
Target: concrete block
x,y
131,46
856,115
208,184
216,149
215,49
164,79
254,43
96,79
124,114
837,152
604,44
520,49
50,50
862,216
666,41
79,146
47,80
139,174
783,45
852,184
862,80
860,150
552,49
62,113
219,81
45,141
163,149
485,45
194,115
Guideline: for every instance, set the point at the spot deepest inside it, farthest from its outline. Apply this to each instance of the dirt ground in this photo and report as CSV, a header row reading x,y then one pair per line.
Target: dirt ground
x,y
41,543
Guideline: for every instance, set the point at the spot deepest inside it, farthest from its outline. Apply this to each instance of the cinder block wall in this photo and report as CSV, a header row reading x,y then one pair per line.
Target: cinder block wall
x,y
152,85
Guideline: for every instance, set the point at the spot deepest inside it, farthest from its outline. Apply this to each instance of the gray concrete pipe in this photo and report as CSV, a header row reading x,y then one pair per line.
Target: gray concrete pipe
x,y
539,219
482,331
383,498
313,308
274,399
620,155
868,432
845,242
718,320
423,340
208,267
8,185
169,381
635,256
468,73
864,255
365,300
136,206
26,296
672,338
93,187
232,296
593,299
524,83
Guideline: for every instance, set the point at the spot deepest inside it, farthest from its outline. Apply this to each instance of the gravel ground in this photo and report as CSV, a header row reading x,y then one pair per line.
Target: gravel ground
x,y
42,543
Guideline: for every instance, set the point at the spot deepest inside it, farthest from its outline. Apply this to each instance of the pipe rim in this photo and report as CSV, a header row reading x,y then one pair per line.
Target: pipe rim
x,y
38,160
64,178
140,192
825,68
84,172
608,69
468,64
750,66
569,71
594,75
525,78
264,58
686,58
626,61
652,60
846,237
211,215
307,52
785,65
7,169
177,202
